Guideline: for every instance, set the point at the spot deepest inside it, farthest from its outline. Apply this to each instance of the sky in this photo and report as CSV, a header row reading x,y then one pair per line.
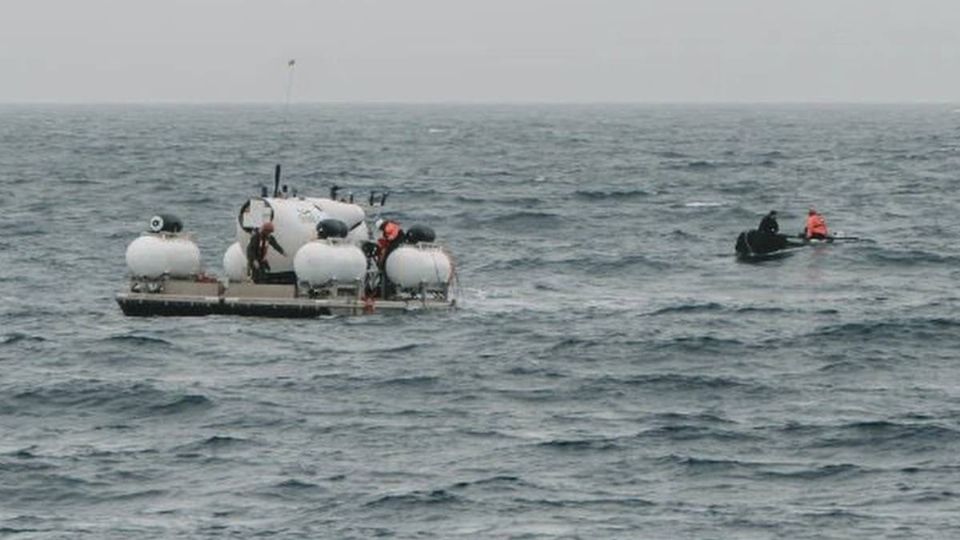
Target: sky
x,y
464,51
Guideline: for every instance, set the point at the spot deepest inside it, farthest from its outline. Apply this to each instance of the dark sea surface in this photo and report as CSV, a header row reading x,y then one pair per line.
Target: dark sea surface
x,y
613,371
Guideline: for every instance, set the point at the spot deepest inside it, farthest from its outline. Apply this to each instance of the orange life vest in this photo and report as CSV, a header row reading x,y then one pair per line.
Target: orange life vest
x,y
391,233
816,226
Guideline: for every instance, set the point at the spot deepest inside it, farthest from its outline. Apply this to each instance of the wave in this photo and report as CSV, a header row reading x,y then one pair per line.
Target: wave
x,y
131,400
498,201
608,265
415,498
24,461
17,337
54,488
525,219
700,465
412,382
896,329
598,195
701,344
537,368
215,442
594,266
572,342
392,349
139,339
687,308
702,165
678,234
489,174
675,433
756,309
713,307
702,417
873,434
294,487
508,481
671,154
816,473
355,174
4,530
913,257
702,204
575,503
187,403
582,445
677,382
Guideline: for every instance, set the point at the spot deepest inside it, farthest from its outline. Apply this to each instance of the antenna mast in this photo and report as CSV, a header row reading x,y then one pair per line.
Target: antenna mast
x,y
290,65
286,128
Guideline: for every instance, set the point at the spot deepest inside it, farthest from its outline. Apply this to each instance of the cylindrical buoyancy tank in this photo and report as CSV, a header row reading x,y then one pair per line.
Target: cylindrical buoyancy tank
x,y
410,265
295,223
322,261
235,262
153,255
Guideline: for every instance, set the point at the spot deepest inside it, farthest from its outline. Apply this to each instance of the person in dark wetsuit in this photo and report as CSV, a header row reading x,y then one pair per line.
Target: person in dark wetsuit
x,y
769,223
767,237
257,264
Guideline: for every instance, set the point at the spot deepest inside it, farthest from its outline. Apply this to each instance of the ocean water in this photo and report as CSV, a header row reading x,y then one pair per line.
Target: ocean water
x,y
613,371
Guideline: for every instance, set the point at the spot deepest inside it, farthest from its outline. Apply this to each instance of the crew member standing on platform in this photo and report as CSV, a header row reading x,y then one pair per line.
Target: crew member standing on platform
x,y
391,236
260,239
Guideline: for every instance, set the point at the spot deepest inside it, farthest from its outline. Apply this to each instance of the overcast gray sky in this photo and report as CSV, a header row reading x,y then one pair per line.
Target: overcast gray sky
x,y
480,50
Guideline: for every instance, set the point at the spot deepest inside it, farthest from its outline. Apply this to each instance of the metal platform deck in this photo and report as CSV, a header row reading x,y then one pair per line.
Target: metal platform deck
x,y
190,299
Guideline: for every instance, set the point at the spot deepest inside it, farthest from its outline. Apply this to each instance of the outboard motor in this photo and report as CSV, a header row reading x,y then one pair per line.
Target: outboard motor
x,y
419,233
165,223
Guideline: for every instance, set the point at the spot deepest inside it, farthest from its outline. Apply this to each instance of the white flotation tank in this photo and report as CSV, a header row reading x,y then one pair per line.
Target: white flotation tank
x,y
322,261
295,221
235,263
410,265
153,255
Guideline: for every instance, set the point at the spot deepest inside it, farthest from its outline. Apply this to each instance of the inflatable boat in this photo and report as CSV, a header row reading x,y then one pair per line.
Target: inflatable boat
x,y
757,246
332,263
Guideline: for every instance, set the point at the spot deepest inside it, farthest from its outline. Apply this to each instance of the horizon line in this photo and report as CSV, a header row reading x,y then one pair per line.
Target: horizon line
x,y
481,103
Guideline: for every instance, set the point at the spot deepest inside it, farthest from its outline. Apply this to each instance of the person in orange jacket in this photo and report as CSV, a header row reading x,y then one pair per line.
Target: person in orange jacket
x,y
391,236
816,226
